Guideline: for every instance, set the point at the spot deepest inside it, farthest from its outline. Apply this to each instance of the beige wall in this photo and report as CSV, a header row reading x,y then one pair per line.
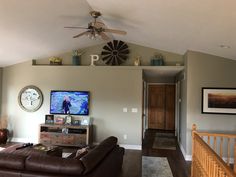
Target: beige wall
x,y
111,90
205,70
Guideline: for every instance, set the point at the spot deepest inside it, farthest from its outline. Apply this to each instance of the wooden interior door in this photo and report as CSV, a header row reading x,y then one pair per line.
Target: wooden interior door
x,y
156,107
161,107
170,107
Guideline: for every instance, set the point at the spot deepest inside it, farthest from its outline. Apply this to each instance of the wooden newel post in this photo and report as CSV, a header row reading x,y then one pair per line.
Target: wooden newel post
x,y
194,129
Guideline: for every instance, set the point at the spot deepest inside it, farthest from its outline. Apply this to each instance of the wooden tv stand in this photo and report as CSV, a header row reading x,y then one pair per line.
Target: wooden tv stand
x,y
65,135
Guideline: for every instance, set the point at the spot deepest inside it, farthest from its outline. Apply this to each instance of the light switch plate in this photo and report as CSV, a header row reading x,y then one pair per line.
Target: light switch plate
x,y
125,109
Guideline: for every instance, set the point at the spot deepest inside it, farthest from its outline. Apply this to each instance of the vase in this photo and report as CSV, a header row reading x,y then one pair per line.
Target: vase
x,y
3,136
157,62
76,60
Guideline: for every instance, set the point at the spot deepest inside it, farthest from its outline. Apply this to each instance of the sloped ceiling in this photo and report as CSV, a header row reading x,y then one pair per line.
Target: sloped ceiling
x,y
31,29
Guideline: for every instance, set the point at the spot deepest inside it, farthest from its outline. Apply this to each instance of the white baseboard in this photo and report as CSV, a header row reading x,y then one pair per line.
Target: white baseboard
x,y
133,147
126,146
23,140
186,157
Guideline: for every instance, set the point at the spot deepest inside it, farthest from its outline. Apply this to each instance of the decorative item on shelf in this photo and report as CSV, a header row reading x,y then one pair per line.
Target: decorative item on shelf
x,y
4,133
49,119
68,120
30,98
115,52
76,57
93,59
177,64
75,122
59,120
85,121
65,130
157,60
137,61
55,61
33,62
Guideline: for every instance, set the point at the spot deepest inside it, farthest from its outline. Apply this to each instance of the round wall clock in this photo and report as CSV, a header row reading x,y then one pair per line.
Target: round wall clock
x,y
30,98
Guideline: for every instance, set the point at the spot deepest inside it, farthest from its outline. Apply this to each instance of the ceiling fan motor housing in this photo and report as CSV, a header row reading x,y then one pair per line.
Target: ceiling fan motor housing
x,y
95,14
115,52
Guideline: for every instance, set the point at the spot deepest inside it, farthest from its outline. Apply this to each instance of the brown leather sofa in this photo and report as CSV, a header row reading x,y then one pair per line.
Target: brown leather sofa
x,y
105,160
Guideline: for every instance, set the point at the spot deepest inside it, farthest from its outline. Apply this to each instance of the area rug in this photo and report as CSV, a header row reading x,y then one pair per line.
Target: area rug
x,y
164,141
155,167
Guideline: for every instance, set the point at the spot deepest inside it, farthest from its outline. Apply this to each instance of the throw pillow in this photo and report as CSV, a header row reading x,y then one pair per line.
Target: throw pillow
x,y
80,153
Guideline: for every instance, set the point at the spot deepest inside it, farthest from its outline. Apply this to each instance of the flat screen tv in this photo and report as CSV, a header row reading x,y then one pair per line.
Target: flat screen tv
x,y
69,102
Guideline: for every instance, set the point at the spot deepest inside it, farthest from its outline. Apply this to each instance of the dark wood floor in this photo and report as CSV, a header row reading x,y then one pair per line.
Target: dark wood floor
x,y
132,165
178,165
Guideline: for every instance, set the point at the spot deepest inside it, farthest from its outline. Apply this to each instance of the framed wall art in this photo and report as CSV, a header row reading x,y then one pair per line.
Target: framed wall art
x,y
49,119
218,100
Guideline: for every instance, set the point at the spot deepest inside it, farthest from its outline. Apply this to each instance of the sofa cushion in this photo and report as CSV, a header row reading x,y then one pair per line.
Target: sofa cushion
x,y
95,156
54,165
12,161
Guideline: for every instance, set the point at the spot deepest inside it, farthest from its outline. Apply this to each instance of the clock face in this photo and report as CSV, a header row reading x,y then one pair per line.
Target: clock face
x,y
30,98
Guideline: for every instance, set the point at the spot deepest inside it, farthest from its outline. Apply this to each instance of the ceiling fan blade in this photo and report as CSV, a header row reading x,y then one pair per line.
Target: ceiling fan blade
x,y
75,27
115,31
104,36
81,34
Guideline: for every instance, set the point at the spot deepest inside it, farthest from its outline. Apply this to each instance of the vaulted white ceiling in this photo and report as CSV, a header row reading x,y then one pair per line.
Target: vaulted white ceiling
x,y
31,29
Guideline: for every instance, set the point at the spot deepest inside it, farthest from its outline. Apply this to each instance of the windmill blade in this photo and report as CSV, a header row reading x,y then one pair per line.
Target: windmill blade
x,y
75,27
81,34
104,36
115,31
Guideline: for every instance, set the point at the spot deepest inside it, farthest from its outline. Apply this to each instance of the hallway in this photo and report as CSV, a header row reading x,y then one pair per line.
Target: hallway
x,y
178,165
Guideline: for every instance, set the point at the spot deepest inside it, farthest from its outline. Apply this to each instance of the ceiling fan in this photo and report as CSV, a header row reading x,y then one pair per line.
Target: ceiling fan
x,y
96,28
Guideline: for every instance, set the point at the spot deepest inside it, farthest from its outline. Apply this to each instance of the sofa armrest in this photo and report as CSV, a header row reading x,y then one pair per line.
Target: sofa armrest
x,y
95,156
12,161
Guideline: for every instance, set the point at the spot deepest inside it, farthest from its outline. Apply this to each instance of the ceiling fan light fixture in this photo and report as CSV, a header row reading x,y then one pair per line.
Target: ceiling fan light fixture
x,y
93,35
96,29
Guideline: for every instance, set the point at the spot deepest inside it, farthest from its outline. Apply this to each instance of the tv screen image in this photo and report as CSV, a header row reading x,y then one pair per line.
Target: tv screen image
x,y
69,102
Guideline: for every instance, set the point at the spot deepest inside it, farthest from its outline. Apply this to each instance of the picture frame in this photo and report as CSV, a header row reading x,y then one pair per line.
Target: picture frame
x,y
68,120
218,100
75,122
49,119
85,121
59,120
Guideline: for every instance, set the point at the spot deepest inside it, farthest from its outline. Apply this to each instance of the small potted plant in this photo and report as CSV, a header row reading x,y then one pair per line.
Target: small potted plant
x,y
76,57
157,60
3,130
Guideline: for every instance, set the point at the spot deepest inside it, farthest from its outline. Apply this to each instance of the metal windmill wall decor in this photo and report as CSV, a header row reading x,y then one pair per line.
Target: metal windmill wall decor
x,y
115,52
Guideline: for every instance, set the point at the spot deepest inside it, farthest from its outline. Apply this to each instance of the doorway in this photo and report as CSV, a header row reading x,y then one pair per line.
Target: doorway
x,y
161,107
